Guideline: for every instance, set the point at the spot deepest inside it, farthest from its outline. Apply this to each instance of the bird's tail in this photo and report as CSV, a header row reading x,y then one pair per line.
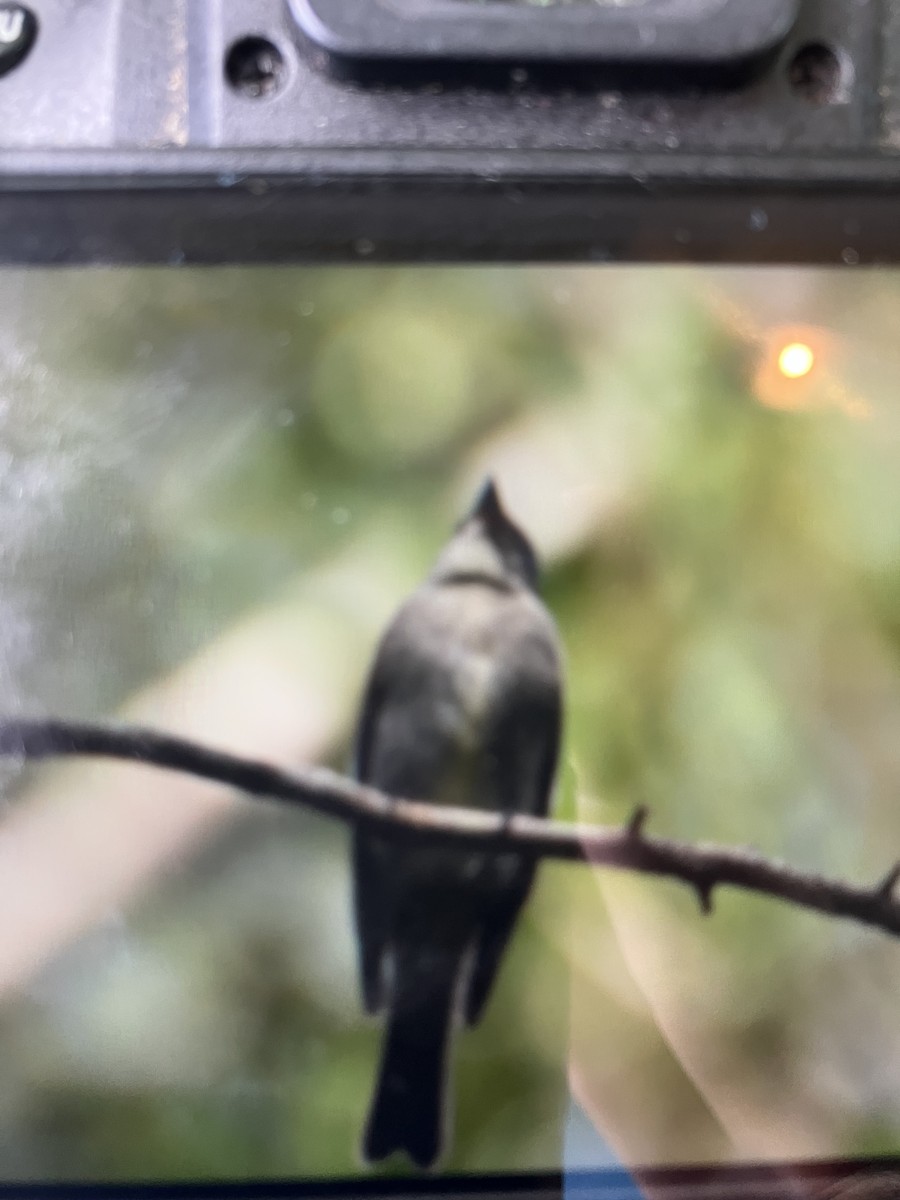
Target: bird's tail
x,y
407,1112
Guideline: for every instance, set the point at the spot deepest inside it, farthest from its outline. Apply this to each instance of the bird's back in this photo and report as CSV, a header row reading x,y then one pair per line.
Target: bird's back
x,y
454,656
462,708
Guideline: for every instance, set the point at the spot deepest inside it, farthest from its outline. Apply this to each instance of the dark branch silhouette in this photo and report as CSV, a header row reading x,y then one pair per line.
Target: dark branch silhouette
x,y
630,848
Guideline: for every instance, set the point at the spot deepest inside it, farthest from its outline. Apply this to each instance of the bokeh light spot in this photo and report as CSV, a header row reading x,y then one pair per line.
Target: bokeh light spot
x,y
796,359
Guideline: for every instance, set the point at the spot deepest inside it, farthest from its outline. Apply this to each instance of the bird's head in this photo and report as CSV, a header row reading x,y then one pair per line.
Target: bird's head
x,y
488,545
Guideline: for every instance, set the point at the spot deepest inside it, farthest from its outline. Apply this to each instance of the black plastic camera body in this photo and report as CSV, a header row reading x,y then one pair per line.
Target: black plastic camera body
x,y
449,130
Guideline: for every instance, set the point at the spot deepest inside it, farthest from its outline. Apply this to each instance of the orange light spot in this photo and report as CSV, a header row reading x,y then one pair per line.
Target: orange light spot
x,y
794,368
796,360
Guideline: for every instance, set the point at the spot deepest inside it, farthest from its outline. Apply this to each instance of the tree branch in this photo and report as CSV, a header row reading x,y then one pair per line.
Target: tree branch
x,y
702,867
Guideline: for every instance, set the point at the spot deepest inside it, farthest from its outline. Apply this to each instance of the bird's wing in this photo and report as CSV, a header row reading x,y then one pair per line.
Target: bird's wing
x,y
525,747
394,752
371,874
372,909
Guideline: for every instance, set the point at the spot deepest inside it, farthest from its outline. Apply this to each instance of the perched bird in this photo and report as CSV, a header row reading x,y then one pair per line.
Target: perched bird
x,y
462,707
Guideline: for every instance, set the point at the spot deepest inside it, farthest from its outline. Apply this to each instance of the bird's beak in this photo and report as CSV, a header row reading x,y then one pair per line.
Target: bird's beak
x,y
487,506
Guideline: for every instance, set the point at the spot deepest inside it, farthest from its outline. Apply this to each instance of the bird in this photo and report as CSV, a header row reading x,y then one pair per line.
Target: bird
x,y
463,706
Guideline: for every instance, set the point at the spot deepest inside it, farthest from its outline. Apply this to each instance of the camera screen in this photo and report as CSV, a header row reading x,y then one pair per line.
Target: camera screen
x,y
219,486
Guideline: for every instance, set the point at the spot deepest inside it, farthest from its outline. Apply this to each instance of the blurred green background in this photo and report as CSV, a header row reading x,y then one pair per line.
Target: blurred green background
x,y
215,487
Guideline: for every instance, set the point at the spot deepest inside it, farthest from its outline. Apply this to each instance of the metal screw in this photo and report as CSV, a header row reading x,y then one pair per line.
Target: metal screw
x,y
816,73
254,66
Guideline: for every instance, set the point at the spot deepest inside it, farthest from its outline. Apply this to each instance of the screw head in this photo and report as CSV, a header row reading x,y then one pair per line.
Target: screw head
x,y
254,67
816,73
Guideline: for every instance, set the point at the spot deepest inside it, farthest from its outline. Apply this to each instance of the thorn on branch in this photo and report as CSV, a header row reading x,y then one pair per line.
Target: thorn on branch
x,y
636,822
705,895
886,888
